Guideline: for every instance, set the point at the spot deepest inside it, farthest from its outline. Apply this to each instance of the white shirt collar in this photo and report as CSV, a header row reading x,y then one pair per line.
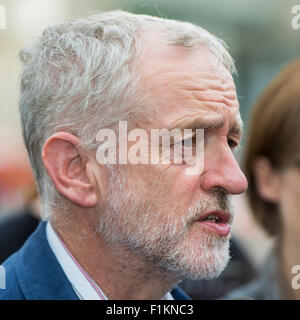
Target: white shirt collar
x,y
82,283
78,279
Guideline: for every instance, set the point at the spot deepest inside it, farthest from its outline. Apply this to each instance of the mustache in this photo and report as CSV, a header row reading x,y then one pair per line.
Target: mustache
x,y
216,199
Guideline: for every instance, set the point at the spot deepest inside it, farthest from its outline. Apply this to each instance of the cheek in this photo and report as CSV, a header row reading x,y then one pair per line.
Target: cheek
x,y
185,187
166,187
175,189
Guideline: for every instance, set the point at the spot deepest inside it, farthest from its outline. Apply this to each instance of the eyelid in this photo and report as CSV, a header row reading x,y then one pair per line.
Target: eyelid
x,y
236,142
236,137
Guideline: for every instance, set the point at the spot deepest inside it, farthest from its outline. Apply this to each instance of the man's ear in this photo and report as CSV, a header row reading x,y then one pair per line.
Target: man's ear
x,y
67,166
267,179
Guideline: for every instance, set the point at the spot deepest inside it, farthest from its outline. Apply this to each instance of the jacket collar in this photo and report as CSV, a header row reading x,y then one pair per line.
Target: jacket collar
x,y
39,273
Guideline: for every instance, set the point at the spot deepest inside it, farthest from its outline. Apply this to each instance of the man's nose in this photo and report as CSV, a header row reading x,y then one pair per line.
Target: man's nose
x,y
222,170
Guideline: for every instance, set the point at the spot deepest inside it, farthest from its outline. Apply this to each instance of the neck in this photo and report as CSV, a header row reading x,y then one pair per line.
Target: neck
x,y
289,256
120,273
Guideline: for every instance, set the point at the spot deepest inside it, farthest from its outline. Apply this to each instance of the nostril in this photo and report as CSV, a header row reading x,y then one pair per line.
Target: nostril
x,y
220,190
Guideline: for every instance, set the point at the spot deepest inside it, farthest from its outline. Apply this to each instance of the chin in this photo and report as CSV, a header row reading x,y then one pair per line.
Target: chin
x,y
200,262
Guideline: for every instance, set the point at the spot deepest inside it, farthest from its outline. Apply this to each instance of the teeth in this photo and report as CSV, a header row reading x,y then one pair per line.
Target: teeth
x,y
212,218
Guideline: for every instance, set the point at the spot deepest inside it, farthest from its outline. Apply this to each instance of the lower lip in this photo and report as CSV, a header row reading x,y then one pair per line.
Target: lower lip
x,y
221,228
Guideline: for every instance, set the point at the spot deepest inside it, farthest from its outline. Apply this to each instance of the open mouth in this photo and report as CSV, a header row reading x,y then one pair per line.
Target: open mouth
x,y
217,221
216,216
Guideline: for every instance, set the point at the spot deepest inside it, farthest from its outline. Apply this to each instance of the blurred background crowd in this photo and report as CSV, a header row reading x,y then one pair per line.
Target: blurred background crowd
x,y
262,41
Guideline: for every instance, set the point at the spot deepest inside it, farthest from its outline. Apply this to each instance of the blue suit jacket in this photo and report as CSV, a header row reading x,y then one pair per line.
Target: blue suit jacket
x,y
33,273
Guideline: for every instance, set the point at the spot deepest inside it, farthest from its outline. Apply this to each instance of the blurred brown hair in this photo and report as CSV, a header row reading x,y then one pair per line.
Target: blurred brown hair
x,y
274,133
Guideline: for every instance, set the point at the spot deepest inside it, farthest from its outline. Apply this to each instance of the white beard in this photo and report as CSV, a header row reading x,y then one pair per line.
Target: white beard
x,y
164,240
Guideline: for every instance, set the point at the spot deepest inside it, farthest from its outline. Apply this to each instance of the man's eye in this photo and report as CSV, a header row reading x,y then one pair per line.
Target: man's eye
x,y
232,144
189,142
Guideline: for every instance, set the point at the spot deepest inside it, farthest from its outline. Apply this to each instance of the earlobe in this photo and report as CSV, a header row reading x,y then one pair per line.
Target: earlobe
x,y
267,180
66,165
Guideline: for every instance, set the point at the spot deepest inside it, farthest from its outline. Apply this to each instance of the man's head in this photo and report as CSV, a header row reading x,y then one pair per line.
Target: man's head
x,y
155,73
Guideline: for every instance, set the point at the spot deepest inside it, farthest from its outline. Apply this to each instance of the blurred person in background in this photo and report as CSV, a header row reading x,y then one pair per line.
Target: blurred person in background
x,y
18,224
19,200
272,166
16,177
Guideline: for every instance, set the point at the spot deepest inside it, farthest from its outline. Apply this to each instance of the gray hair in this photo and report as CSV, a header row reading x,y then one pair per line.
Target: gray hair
x,y
81,76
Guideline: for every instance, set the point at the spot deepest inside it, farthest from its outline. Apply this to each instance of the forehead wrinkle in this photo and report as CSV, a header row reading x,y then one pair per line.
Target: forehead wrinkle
x,y
197,82
173,90
207,81
177,87
227,99
209,90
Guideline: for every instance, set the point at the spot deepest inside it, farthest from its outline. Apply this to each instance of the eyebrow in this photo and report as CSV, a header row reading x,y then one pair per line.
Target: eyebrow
x,y
202,123
237,128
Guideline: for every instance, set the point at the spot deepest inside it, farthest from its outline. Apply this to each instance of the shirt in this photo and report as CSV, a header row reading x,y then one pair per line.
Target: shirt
x,y
82,283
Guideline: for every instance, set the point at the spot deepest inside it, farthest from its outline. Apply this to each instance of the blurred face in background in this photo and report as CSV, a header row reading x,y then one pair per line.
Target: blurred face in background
x,y
281,187
289,201
272,156
272,167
